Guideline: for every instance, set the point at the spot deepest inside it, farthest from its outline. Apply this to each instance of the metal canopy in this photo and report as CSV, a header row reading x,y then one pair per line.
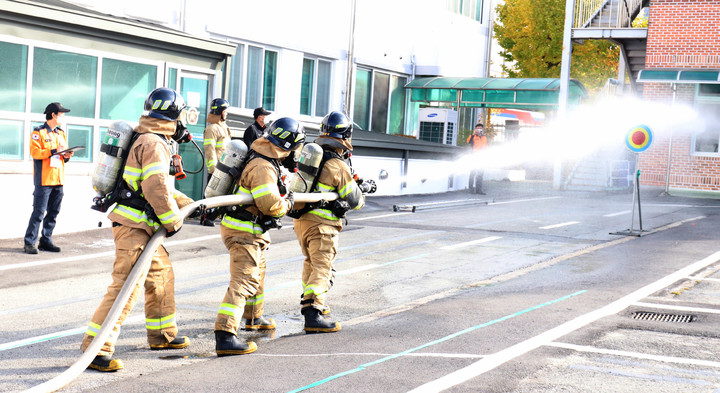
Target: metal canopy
x,y
679,76
525,93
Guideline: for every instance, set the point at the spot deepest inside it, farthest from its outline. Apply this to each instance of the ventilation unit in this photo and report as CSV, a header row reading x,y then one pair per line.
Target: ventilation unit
x,y
438,125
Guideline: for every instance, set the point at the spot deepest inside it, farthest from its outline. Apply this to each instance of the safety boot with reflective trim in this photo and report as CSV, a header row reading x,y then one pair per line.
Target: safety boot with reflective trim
x,y
227,344
177,343
325,310
105,364
259,323
315,323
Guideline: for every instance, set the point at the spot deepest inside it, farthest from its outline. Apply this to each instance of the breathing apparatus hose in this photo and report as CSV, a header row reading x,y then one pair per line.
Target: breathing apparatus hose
x,y
137,275
202,161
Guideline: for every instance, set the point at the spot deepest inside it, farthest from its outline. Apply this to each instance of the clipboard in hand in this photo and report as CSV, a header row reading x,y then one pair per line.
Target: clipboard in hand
x,y
72,149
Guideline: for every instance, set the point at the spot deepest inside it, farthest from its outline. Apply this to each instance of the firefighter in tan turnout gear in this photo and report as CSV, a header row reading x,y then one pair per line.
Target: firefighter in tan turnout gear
x,y
154,202
216,137
244,232
317,225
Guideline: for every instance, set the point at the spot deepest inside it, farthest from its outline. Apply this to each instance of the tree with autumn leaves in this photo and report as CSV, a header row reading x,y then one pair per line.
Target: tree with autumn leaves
x,y
531,34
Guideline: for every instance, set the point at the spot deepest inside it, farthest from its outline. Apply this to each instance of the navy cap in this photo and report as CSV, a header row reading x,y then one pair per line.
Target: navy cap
x,y
259,112
55,107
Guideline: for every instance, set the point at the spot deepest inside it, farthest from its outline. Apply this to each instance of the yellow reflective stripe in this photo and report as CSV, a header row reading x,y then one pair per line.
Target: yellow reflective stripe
x,y
312,290
346,189
255,300
259,191
160,323
211,162
167,217
135,215
245,226
325,188
131,176
220,143
242,191
152,169
228,309
324,213
93,329
208,141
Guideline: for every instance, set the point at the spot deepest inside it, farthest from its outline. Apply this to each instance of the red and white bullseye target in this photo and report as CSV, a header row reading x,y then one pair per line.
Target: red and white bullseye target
x,y
639,138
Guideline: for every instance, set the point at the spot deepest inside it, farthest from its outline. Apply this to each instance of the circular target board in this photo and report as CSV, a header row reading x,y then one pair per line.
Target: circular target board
x,y
639,138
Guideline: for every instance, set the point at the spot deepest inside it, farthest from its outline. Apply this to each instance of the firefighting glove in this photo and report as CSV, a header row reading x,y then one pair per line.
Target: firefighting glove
x,y
171,233
198,212
290,197
339,208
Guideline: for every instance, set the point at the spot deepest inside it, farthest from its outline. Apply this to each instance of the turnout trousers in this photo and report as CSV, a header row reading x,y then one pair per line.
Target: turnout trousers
x,y
247,279
319,244
159,292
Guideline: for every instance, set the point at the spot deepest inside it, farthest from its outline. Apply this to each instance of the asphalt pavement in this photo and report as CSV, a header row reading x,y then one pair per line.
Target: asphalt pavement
x,y
525,289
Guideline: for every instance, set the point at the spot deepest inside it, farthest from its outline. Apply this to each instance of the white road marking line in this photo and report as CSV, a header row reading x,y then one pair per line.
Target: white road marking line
x,y
637,355
618,213
564,224
98,255
494,360
382,216
678,308
470,243
522,200
357,269
375,354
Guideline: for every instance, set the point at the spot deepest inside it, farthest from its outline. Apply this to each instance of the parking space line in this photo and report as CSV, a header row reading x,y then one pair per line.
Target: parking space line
x,y
493,361
564,224
471,243
636,355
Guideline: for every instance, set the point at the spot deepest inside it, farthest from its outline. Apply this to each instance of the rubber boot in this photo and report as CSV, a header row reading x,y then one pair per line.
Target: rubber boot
x,y
259,323
106,364
177,343
227,344
315,323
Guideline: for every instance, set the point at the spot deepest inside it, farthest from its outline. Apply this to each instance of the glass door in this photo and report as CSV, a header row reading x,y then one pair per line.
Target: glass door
x,y
194,89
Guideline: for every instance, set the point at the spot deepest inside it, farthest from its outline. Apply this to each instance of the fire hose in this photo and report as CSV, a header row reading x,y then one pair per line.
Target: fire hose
x,y
137,275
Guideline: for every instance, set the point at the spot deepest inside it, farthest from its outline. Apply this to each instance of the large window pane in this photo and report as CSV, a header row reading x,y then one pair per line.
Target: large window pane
x,y
11,139
236,77
322,91
381,88
308,72
254,73
172,78
13,76
69,78
270,76
361,104
707,140
125,86
81,136
397,105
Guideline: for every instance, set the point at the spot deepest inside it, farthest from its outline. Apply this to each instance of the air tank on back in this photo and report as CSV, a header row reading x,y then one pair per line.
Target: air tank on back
x,y
308,165
222,180
114,145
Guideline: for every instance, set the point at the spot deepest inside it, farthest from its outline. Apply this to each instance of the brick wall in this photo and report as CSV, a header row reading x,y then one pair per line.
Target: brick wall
x,y
681,34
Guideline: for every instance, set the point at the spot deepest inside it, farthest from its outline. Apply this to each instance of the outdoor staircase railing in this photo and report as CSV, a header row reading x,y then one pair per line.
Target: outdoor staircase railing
x,y
586,11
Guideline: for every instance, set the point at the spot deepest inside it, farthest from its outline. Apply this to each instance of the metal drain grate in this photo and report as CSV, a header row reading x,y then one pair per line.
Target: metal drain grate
x,y
653,316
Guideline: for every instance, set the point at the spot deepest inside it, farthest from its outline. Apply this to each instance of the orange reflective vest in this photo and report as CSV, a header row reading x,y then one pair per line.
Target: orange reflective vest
x,y
477,142
48,169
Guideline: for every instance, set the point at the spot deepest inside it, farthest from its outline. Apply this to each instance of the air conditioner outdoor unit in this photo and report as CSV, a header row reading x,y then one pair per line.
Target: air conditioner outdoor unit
x,y
438,125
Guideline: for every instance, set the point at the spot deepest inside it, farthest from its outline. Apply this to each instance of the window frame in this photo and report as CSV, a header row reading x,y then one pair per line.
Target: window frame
x,y
704,99
388,99
245,71
313,110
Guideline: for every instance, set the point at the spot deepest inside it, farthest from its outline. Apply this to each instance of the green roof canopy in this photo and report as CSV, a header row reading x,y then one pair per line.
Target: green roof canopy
x,y
679,76
531,93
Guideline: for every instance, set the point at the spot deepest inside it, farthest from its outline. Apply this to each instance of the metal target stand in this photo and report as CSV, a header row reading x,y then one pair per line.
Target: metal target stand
x,y
637,140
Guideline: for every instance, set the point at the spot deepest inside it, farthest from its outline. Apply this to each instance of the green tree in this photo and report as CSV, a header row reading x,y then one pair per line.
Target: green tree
x,y
531,34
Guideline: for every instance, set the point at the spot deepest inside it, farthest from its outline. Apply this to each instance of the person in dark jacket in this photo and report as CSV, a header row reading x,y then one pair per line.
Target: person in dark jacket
x,y
256,129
